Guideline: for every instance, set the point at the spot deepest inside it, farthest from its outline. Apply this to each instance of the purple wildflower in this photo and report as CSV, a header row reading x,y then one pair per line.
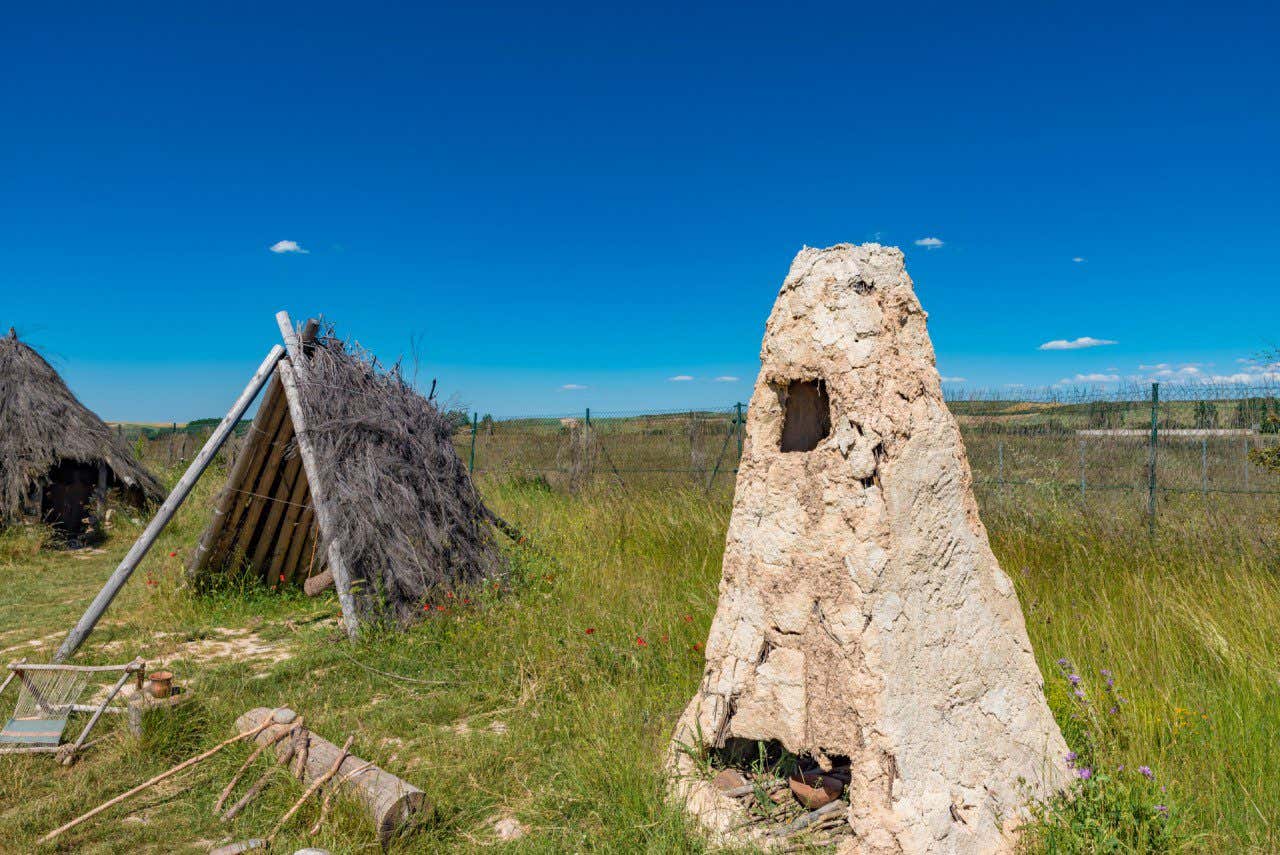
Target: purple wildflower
x,y
1146,772
1085,774
1104,672
1063,662
1114,710
1079,693
1072,757
1162,808
1075,679
1120,768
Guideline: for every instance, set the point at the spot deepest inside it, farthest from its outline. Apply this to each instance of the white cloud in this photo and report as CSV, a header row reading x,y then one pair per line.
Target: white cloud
x,y
573,387
1090,378
726,379
1075,344
929,242
282,246
1077,259
954,380
679,378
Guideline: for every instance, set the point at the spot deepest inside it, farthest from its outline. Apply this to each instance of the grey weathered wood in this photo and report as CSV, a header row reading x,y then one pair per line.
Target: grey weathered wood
x,y
129,670
389,800
315,477
171,504
23,665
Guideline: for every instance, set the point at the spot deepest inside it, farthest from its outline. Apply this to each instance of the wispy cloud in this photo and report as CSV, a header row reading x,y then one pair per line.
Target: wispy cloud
x,y
929,242
1090,378
573,387
726,379
281,247
1077,259
954,380
679,378
1076,343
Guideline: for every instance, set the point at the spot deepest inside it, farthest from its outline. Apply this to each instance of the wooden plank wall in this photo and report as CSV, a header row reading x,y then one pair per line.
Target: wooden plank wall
x,y
268,524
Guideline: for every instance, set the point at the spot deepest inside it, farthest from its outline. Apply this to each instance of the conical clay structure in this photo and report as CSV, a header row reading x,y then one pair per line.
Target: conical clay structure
x,y
862,614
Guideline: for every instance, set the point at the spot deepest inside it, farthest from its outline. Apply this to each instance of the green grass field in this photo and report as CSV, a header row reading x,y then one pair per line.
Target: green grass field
x,y
541,703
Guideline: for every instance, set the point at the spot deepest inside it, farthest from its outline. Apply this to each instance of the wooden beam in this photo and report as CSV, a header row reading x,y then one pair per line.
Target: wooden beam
x,y
269,540
279,569
319,501
241,523
300,546
170,507
326,524
230,502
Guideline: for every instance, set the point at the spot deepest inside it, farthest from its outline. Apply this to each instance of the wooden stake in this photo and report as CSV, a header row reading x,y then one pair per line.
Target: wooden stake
x,y
315,785
329,791
185,764
244,767
170,507
263,779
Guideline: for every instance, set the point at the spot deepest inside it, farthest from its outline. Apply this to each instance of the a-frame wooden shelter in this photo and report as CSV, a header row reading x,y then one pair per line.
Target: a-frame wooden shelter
x,y
265,518
347,472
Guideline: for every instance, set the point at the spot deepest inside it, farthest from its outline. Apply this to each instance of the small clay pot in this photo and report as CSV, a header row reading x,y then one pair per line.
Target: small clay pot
x,y
729,779
814,790
161,684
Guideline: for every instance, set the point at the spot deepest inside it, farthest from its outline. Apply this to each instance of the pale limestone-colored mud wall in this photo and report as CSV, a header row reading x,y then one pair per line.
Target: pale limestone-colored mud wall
x,y
861,609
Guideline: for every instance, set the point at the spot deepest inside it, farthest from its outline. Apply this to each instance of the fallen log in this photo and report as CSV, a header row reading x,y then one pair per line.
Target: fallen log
x,y
319,583
389,801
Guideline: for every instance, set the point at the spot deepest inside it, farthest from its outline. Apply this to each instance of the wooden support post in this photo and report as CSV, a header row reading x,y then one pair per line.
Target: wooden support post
x,y
315,477
179,494
137,666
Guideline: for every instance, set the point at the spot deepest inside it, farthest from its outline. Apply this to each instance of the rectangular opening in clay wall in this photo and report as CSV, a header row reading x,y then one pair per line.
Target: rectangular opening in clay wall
x,y
806,417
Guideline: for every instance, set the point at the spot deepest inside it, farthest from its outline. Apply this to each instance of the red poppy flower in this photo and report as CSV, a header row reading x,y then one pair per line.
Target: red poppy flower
x,y
173,554
591,630
641,642
688,618
439,608
697,646
664,638
449,594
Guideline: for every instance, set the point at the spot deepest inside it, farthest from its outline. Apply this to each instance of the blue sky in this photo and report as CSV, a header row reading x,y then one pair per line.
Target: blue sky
x,y
609,197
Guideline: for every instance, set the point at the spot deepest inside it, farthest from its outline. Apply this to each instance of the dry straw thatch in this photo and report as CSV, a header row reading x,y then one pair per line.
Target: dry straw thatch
x,y
410,520
42,424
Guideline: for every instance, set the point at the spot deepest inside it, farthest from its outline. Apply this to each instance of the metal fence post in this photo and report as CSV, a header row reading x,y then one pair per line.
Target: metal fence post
x,y
475,426
1204,466
1000,467
1244,448
1151,458
740,430
586,444
1082,483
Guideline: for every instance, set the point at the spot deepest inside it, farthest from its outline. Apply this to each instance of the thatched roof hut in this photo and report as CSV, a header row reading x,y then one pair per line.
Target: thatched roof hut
x,y
349,472
56,456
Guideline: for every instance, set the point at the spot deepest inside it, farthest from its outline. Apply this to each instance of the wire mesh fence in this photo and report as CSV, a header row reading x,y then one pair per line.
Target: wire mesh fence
x,y
1143,444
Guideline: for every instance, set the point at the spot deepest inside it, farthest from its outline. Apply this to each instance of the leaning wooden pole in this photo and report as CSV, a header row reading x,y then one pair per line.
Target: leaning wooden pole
x,y
176,497
320,498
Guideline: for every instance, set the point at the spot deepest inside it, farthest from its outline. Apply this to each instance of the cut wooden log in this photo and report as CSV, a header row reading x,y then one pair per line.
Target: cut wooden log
x,y
318,584
389,801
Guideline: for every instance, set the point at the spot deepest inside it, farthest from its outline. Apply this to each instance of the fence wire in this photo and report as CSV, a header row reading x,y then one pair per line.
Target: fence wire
x,y
1150,442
